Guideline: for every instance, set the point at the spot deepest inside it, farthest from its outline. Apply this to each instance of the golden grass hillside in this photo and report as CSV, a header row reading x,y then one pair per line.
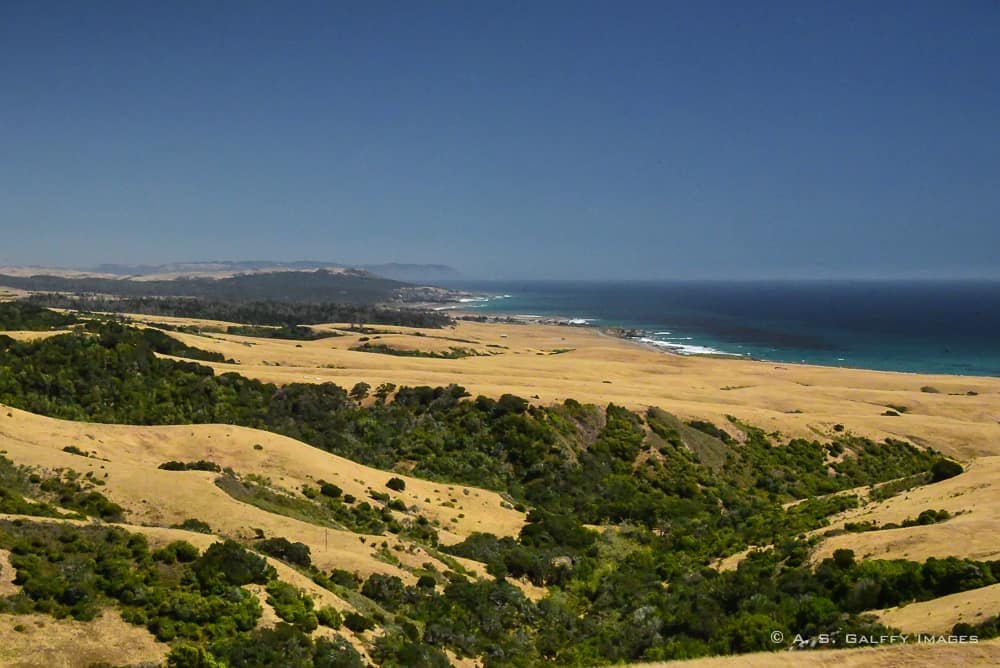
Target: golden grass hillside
x,y
546,363
893,656
59,640
549,363
127,457
958,415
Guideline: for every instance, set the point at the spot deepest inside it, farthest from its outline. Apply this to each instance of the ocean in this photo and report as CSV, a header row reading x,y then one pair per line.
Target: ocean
x,y
950,327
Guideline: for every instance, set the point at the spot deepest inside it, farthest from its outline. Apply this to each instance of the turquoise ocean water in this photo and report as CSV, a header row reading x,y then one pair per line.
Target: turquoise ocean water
x,y
948,327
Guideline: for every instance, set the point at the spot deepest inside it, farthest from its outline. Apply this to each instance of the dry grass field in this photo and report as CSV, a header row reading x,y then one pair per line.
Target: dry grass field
x,y
973,498
30,641
546,363
549,363
126,459
895,656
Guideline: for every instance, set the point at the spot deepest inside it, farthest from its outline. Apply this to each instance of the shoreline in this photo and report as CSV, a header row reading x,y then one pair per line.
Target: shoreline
x,y
635,336
548,363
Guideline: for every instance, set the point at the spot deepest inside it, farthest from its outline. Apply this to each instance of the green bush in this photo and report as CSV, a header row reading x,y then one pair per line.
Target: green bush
x,y
358,623
200,465
286,550
292,605
345,579
329,616
330,490
229,563
192,524
944,469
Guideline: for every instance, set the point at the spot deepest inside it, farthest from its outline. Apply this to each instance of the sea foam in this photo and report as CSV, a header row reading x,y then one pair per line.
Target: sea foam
x,y
685,348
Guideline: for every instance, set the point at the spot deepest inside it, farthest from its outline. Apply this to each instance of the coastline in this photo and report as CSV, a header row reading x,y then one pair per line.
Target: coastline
x,y
643,338
549,364
935,327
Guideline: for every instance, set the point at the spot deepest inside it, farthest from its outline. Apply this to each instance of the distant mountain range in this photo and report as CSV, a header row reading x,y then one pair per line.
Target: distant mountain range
x,y
410,273
242,281
413,273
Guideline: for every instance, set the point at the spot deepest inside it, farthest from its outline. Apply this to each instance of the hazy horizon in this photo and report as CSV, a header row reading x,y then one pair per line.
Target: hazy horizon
x,y
553,141
461,277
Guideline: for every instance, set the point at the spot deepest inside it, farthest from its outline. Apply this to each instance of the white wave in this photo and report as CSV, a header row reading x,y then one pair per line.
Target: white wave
x,y
686,349
579,321
466,300
661,333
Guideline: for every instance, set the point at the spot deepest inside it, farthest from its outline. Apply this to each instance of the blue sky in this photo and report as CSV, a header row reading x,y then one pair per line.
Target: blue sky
x,y
534,139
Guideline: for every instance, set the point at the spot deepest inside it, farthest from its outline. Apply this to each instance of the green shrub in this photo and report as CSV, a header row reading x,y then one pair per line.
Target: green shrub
x,y
330,490
944,469
230,563
329,616
386,590
286,550
358,623
292,605
192,524
200,465
345,579
396,484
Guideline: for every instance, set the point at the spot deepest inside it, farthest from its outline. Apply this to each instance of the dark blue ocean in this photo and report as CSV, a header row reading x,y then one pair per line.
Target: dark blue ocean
x,y
929,327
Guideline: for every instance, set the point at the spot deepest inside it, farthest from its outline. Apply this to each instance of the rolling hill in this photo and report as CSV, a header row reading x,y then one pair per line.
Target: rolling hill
x,y
534,515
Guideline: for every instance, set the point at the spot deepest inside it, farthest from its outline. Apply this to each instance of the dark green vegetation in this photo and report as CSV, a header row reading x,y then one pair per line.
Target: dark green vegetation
x,y
200,465
312,286
453,352
925,518
272,312
167,345
56,493
155,340
19,315
193,524
328,507
680,496
944,469
288,332
985,630
193,600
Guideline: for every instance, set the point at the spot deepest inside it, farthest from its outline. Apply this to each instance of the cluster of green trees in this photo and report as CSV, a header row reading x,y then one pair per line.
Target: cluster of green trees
x,y
926,517
20,315
268,312
620,611
183,596
453,352
53,494
335,511
984,630
200,465
288,332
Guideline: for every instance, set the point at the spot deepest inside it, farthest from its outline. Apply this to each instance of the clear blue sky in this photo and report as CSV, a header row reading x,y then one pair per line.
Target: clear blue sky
x,y
508,139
